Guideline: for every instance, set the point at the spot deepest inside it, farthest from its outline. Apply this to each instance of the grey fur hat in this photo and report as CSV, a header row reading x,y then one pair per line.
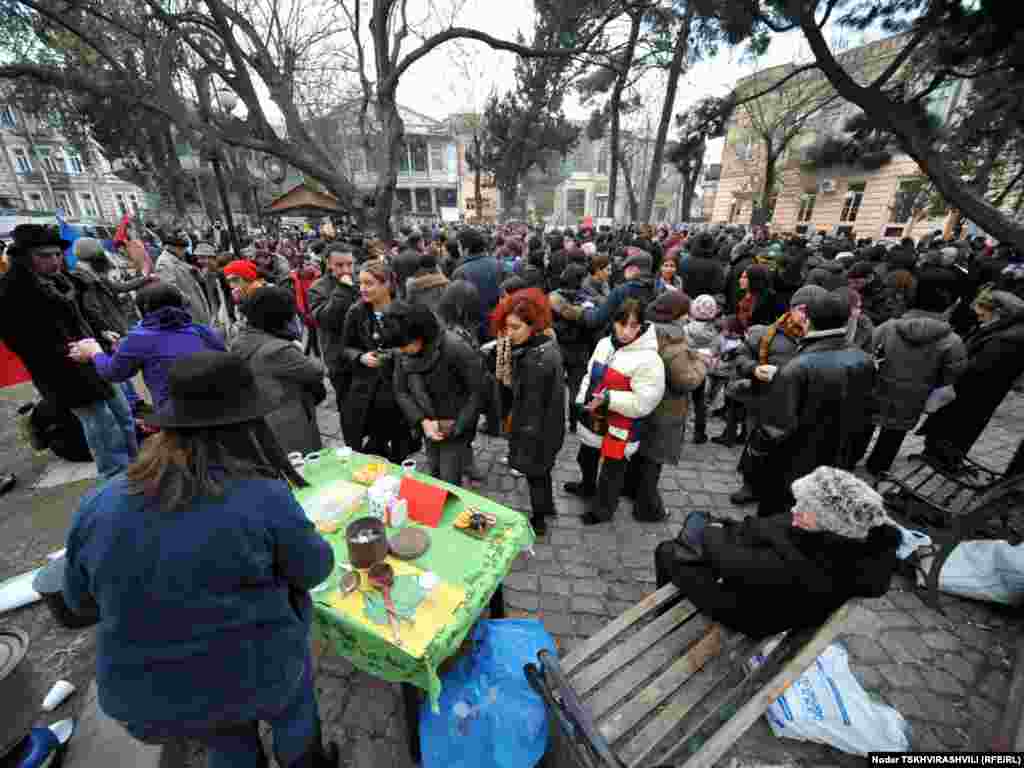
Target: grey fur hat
x,y
844,504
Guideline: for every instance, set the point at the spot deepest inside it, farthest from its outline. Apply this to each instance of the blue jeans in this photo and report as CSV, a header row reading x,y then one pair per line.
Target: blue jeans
x,y
110,433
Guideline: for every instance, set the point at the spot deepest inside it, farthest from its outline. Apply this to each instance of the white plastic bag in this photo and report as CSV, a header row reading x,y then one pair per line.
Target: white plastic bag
x,y
910,540
939,398
984,570
827,705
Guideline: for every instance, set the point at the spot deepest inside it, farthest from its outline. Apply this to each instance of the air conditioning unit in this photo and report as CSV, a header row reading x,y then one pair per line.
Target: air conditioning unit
x,y
827,185
801,229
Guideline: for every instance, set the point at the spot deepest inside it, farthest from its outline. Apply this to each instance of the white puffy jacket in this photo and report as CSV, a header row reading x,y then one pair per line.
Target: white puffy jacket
x,y
638,361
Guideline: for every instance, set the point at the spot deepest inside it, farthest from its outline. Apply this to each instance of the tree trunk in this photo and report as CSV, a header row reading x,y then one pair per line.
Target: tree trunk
x,y
914,137
614,106
173,172
627,175
674,71
477,196
393,130
770,163
690,189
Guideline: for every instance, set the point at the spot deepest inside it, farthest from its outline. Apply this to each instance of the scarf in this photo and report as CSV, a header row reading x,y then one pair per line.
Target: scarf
x,y
788,325
503,361
60,288
745,310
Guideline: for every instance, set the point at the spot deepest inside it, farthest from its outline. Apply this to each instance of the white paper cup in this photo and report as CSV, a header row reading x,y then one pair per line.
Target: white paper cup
x,y
408,466
345,454
57,695
768,371
295,456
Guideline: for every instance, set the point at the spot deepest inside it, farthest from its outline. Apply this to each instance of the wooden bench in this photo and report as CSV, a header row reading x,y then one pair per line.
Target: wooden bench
x,y
958,504
662,684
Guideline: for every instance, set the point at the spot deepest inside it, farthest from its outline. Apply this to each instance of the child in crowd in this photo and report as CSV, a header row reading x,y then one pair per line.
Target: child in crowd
x,y
703,336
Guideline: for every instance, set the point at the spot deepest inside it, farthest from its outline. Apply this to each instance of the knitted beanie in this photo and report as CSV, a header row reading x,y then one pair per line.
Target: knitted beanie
x,y
807,294
843,503
704,307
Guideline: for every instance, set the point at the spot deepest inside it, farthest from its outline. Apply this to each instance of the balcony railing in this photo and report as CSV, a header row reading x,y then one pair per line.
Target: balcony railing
x,y
57,178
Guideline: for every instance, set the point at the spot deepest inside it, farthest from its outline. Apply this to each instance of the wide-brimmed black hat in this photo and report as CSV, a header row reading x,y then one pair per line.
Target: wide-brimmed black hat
x,y
210,389
28,236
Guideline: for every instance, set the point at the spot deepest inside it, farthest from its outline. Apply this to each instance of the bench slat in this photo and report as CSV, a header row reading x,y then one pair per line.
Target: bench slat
x,y
590,677
737,725
650,737
658,657
615,628
685,667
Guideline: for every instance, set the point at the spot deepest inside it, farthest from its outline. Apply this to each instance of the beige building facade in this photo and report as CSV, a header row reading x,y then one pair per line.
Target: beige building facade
x,y
850,200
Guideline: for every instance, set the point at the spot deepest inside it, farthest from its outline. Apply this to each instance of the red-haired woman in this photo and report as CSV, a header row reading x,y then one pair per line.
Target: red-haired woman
x,y
529,364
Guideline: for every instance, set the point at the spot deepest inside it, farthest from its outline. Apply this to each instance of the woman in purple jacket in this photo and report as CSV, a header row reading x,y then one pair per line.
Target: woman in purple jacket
x,y
165,333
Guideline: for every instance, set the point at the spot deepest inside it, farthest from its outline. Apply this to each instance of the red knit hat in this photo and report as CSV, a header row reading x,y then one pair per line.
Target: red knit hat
x,y
243,269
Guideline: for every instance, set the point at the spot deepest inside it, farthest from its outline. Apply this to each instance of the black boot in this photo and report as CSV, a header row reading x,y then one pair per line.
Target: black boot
x,y
729,435
700,437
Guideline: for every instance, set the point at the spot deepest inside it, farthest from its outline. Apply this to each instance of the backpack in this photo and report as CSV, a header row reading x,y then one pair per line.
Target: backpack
x,y
685,372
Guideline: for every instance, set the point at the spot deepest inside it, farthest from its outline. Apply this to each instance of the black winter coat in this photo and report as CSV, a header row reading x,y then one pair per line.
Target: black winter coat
x,y
38,326
371,389
995,360
775,577
538,406
822,404
99,299
443,382
702,275
329,303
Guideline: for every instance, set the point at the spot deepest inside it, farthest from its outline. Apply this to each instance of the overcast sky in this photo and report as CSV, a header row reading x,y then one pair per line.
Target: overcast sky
x,y
459,77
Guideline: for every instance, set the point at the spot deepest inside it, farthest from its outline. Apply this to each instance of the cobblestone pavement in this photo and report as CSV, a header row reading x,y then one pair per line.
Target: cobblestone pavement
x,y
948,675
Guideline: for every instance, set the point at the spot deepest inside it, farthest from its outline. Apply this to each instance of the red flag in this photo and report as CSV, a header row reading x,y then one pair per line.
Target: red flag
x,y
121,236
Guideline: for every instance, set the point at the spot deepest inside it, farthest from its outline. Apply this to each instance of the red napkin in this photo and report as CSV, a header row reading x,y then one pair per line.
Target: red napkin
x,y
426,502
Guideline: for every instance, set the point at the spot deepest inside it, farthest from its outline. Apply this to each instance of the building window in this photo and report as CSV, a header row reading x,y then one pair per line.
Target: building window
x,y
122,203
43,155
734,211
88,204
64,203
73,165
602,161
576,202
854,197
7,117
22,164
446,198
906,196
744,150
418,154
602,206
806,206
35,201
424,201
134,200
437,159
404,199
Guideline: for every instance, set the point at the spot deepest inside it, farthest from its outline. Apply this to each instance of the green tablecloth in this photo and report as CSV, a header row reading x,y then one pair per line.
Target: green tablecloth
x,y
476,566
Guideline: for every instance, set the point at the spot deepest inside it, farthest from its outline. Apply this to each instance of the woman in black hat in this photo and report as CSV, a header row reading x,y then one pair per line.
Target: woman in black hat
x,y
266,343
199,561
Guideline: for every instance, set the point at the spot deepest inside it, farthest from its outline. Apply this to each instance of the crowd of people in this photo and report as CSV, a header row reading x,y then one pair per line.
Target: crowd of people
x,y
807,349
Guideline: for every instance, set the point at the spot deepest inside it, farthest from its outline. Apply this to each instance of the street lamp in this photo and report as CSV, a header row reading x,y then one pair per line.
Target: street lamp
x,y
226,101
